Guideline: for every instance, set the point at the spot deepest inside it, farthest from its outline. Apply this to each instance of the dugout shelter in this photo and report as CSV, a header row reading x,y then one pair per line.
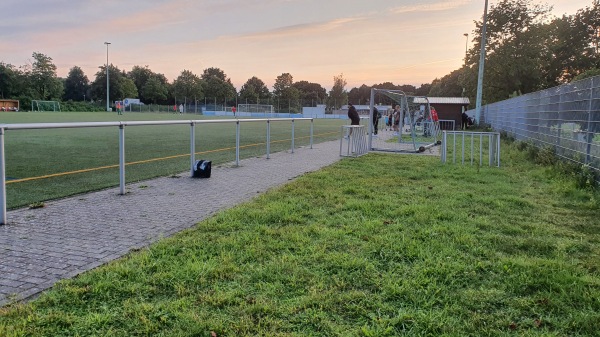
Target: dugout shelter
x,y
448,108
9,105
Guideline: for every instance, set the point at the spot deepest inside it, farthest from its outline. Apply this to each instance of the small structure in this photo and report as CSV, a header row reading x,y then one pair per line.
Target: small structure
x,y
448,108
9,105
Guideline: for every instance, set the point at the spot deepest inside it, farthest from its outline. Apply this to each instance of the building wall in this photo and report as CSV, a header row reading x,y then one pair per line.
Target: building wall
x,y
450,112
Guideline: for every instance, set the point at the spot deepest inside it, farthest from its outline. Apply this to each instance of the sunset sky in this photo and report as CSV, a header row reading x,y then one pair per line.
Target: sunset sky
x,y
374,41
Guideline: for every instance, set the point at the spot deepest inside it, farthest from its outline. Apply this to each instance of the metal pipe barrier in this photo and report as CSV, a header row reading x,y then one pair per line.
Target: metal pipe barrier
x,y
121,126
355,137
476,141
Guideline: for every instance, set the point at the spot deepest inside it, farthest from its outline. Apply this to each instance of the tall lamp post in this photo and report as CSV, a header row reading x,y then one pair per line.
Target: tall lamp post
x,y
107,86
481,63
466,46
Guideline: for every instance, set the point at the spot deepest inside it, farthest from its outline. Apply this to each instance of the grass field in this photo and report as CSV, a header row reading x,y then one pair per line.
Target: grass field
x,y
382,245
150,151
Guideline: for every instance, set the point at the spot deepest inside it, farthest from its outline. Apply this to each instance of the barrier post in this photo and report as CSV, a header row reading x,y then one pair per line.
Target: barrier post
x,y
293,137
192,147
312,122
2,180
237,143
268,138
122,159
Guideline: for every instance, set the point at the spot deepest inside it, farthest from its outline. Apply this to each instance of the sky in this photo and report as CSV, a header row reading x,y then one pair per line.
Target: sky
x,y
368,41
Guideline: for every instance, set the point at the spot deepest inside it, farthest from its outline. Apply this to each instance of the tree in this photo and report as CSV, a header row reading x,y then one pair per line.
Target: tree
x,y
216,85
155,90
213,73
423,90
187,86
140,75
449,85
77,85
42,78
254,90
338,95
310,92
129,90
516,42
8,79
361,95
286,94
119,85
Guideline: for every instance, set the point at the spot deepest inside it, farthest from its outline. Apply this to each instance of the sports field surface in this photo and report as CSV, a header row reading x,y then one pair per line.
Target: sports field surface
x,y
45,164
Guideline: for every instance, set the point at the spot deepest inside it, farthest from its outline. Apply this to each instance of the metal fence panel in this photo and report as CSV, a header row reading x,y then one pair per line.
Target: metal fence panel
x,y
565,118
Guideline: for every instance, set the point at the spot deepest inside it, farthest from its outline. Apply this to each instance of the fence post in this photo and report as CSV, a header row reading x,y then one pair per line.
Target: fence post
x,y
122,159
2,180
491,149
498,148
443,156
192,147
589,136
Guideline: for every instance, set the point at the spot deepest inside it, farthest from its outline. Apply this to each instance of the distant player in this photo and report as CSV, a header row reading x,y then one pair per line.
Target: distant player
x,y
119,109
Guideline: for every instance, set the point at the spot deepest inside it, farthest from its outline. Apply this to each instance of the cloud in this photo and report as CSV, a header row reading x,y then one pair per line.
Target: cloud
x,y
433,7
299,29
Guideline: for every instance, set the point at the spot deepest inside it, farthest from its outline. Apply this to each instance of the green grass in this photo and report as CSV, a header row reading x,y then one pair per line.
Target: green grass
x,y
381,245
35,153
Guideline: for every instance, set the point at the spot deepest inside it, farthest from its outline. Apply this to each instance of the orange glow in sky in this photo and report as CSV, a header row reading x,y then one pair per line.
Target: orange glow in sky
x,y
400,41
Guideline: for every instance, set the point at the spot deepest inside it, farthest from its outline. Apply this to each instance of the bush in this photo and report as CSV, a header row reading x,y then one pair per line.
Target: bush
x,y
546,156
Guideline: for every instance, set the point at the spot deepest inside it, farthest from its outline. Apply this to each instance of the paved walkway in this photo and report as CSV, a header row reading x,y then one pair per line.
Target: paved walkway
x,y
39,247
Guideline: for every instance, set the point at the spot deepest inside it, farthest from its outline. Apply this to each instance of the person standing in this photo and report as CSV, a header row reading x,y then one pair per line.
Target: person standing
x,y
396,117
376,117
465,120
354,117
118,107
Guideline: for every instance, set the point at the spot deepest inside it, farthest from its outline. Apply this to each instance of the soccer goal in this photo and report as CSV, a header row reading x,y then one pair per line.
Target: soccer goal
x,y
406,123
256,108
37,105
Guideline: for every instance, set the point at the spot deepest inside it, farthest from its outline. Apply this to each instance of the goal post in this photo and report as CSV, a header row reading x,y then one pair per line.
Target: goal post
x,y
39,105
408,123
256,108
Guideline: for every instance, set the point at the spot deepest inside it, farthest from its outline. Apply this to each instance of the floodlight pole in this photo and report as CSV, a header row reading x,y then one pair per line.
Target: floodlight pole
x,y
107,86
481,64
466,46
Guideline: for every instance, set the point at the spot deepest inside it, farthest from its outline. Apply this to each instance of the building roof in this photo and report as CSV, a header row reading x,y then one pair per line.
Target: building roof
x,y
443,100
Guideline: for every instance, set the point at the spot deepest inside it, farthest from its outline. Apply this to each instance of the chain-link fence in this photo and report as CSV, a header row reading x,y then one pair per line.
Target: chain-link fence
x,y
565,118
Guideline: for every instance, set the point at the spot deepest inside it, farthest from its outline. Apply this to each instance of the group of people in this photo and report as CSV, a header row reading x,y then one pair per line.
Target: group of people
x,y
10,108
393,118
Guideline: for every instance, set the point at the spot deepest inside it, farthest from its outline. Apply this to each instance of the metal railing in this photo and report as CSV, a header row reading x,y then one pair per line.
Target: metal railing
x,y
355,137
472,144
122,125
565,118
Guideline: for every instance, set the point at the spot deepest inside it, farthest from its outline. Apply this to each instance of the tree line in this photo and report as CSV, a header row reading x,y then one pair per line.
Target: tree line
x,y
527,50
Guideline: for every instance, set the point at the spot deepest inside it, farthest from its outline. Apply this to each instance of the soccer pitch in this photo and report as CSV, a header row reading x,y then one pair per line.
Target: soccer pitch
x,y
45,164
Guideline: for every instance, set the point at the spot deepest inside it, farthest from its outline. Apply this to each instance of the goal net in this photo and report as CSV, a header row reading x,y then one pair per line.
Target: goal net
x,y
37,105
405,123
259,108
